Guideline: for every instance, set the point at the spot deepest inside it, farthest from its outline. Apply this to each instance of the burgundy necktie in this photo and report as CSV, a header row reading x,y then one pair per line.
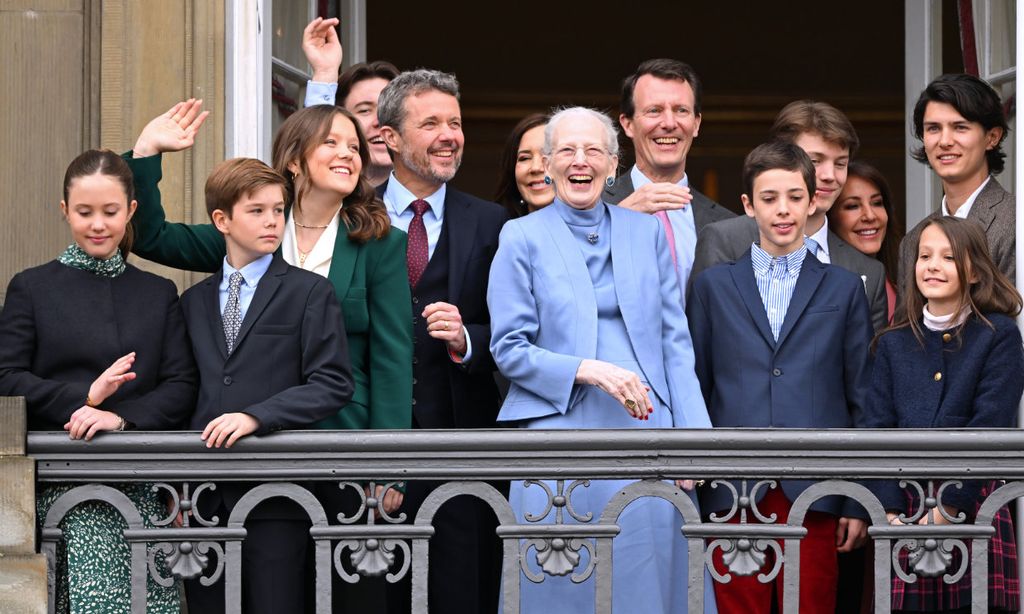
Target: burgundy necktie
x,y
417,253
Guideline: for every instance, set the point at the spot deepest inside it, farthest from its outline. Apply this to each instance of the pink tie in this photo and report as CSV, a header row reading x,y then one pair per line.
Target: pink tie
x,y
663,216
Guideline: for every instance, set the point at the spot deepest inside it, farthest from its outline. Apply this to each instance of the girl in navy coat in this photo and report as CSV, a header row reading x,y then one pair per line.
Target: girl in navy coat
x,y
952,359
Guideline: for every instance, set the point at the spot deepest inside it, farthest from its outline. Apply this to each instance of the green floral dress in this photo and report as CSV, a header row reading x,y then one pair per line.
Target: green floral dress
x,y
93,567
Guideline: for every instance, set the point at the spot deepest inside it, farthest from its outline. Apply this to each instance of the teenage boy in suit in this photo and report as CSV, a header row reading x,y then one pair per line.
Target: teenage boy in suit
x,y
960,122
827,136
804,330
269,342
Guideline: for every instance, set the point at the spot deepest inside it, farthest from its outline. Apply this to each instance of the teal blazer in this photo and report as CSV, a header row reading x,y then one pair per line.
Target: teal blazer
x,y
370,281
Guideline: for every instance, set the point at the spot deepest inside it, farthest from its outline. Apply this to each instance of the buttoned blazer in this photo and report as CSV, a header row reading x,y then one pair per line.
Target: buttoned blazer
x,y
369,280
289,368
544,314
726,241
995,210
967,381
705,210
472,226
814,376
62,327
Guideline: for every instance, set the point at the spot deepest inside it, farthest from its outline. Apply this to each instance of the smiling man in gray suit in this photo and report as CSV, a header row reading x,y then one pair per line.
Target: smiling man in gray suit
x,y
828,137
960,121
661,114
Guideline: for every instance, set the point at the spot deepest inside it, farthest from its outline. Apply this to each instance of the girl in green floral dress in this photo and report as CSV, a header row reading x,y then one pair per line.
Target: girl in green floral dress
x,y
95,344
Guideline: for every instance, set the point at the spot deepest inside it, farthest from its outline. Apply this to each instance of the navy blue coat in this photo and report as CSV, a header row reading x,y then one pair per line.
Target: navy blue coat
x,y
946,384
814,376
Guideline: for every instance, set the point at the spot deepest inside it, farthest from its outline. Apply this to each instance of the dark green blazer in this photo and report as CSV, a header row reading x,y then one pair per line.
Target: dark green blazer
x,y
370,281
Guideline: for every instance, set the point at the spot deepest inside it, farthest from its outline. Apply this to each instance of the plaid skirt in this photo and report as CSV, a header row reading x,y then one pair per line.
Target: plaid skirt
x,y
932,594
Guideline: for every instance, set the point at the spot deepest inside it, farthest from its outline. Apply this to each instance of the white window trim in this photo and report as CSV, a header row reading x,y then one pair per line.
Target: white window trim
x,y
247,79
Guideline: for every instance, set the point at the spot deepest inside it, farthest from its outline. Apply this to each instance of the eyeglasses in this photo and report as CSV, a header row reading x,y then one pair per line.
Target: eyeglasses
x,y
590,152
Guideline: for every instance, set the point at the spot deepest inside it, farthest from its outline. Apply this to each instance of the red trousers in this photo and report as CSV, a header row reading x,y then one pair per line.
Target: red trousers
x,y
818,567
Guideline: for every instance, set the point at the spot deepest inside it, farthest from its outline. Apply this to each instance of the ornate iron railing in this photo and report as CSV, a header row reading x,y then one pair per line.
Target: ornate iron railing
x,y
930,461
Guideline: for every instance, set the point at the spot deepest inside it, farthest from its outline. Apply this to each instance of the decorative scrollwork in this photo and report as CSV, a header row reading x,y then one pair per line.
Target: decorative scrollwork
x,y
562,500
931,500
930,558
185,560
372,557
183,504
743,500
367,502
744,557
557,556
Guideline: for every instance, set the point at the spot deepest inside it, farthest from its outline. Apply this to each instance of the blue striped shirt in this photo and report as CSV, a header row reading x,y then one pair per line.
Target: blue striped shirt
x,y
776,278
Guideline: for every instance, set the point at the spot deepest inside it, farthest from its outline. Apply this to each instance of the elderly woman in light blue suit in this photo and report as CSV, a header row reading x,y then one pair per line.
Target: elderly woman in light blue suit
x,y
587,325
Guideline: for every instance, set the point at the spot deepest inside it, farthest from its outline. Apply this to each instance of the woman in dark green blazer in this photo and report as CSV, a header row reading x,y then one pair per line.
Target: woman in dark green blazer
x,y
336,226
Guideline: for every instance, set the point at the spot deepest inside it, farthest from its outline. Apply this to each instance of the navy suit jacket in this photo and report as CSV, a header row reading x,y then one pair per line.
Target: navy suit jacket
x,y
290,365
814,376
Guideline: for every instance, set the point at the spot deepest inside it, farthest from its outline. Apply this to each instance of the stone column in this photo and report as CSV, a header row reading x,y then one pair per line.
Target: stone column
x,y
22,571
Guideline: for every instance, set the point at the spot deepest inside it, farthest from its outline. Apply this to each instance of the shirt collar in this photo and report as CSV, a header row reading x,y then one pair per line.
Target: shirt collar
x,y
764,262
821,238
398,198
252,272
640,179
965,208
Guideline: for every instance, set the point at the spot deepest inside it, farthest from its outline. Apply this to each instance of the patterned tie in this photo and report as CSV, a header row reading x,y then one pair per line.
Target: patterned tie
x,y
417,253
232,317
812,246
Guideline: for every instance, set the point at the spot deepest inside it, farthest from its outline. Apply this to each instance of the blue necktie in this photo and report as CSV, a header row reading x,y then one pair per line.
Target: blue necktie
x,y
812,246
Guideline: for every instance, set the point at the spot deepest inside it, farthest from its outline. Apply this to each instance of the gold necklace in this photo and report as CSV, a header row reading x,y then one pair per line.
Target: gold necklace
x,y
301,225
302,257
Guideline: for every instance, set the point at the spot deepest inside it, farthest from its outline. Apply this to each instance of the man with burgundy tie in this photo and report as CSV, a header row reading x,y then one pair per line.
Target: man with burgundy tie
x,y
452,240
660,112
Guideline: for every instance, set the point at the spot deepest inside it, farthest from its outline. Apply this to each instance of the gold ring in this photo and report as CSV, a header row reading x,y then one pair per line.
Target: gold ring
x,y
699,483
445,324
630,404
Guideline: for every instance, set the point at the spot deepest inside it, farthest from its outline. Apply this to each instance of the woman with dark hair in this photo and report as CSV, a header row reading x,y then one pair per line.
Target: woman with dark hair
x,y
952,359
95,344
865,218
334,226
521,185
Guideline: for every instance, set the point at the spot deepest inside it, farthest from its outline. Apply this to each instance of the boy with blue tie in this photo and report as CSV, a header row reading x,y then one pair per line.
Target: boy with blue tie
x,y
781,340
269,342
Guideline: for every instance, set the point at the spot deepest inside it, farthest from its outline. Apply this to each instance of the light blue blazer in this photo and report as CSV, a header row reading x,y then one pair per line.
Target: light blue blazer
x,y
544,315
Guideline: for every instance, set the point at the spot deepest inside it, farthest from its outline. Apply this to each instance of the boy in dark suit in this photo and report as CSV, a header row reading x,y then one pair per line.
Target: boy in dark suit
x,y
269,342
803,329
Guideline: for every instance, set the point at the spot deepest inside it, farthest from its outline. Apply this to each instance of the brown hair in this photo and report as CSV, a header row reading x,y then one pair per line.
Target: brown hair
x,y
991,292
507,194
361,72
232,180
108,163
773,155
362,211
662,68
889,253
809,116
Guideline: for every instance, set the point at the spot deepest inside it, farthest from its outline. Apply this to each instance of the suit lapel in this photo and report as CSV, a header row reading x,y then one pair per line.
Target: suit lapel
x,y
743,277
625,283
266,289
211,296
343,263
579,278
982,210
461,226
811,274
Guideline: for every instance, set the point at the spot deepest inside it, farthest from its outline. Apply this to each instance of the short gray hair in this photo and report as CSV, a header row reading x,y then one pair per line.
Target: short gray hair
x,y
611,134
391,104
